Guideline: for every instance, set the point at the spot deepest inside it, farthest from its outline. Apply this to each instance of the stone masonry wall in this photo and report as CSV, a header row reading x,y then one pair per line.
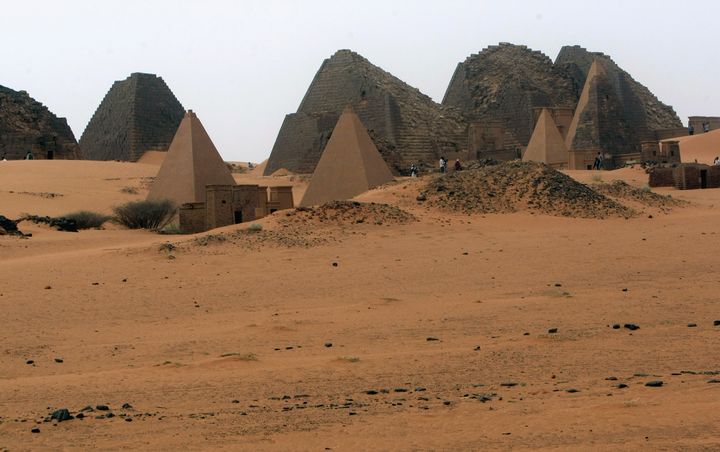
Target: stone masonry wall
x,y
27,125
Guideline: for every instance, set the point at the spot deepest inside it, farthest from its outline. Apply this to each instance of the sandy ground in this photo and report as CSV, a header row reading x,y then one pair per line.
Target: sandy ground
x,y
703,147
227,347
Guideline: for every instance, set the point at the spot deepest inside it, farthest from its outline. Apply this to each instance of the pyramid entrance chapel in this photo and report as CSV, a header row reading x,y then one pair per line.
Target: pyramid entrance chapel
x,y
196,179
490,110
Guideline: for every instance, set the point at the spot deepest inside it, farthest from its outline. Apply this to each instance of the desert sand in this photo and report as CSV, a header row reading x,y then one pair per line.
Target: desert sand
x,y
702,147
379,335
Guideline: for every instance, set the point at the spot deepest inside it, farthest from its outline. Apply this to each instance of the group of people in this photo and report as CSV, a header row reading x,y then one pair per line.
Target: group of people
x,y
705,127
443,164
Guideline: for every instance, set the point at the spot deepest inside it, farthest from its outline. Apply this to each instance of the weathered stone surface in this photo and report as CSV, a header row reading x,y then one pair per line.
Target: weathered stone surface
x,y
138,114
26,125
504,83
405,125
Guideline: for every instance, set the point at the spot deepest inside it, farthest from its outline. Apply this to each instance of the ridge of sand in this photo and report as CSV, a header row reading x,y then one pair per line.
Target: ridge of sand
x,y
703,147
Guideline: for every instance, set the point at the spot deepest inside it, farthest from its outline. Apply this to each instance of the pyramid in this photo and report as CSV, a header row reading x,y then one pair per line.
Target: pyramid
x,y
192,163
26,125
546,143
349,165
406,125
137,114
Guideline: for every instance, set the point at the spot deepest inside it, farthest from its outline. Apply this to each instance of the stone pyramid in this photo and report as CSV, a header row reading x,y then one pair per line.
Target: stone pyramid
x,y
546,143
138,114
191,164
27,125
406,125
349,165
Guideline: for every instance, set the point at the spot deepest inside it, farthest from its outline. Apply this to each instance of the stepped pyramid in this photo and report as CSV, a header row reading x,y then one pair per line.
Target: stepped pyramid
x,y
192,163
138,114
350,164
546,144
27,125
405,125
505,84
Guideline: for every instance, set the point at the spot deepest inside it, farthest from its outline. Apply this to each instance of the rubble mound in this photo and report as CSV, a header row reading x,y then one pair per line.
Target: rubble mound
x,y
515,186
27,125
343,213
9,227
622,190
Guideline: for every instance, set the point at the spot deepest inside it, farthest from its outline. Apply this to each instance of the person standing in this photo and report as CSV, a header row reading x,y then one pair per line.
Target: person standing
x,y
706,127
691,130
413,170
458,165
443,165
29,156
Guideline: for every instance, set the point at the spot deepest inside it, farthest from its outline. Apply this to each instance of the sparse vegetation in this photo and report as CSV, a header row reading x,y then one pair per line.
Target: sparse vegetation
x,y
255,227
85,219
210,238
147,214
596,178
129,190
171,229
350,359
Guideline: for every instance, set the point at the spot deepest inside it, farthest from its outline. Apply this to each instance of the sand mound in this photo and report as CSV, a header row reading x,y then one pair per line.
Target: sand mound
x,y
342,213
282,172
515,186
622,190
153,158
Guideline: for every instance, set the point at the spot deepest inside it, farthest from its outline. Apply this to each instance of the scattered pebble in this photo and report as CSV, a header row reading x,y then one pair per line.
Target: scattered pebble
x,y
632,326
692,325
328,344
102,407
431,339
654,383
35,430
552,330
59,360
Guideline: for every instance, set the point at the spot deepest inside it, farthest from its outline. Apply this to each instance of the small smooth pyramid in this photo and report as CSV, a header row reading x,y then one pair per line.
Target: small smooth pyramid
x,y
585,102
546,144
349,165
192,163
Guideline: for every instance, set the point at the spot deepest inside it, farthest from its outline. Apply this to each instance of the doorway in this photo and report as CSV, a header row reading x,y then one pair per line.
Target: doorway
x,y
50,155
238,216
703,178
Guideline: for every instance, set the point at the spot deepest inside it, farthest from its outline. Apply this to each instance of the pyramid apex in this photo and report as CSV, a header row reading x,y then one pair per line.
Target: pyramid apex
x,y
348,109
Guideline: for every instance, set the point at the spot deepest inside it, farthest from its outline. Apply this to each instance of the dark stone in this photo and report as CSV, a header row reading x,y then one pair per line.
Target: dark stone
x,y
35,430
654,384
509,384
572,390
622,386
128,419
371,392
431,339
80,415
88,409
611,379
59,360
102,407
632,326
716,322
109,415
334,264
477,348
714,380
616,326
29,361
552,330
420,389
235,401
692,325
63,414
400,390
127,406
328,344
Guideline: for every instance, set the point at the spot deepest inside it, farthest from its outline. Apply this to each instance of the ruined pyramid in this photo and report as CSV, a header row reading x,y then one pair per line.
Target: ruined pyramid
x,y
349,165
546,143
191,164
405,125
138,114
26,125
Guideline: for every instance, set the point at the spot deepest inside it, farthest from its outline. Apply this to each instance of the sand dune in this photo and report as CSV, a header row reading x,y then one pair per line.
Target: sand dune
x,y
411,335
702,147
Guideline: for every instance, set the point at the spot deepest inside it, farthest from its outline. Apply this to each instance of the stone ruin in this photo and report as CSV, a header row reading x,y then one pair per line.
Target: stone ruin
x,y
489,110
26,125
138,114
405,125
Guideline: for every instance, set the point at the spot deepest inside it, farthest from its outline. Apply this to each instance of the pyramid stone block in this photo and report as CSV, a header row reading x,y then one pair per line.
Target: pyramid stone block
x,y
350,164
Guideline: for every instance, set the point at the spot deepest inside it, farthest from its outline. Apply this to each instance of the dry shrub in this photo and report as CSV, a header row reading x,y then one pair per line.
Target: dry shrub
x,y
147,214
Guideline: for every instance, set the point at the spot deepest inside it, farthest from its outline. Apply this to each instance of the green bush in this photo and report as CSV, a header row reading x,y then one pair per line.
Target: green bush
x,y
255,227
145,214
84,219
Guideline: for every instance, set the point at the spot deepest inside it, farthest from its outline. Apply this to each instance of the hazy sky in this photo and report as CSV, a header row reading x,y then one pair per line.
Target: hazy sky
x,y
243,65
